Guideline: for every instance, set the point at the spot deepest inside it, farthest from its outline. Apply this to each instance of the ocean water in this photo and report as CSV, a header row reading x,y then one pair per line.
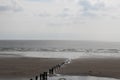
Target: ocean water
x,y
66,44
58,48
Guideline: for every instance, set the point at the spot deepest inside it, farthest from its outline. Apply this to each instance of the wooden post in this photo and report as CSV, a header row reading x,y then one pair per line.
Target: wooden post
x,y
50,71
45,75
40,76
36,77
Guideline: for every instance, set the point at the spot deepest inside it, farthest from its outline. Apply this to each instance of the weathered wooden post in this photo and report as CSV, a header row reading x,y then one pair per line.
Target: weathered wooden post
x,y
45,75
40,76
52,71
36,77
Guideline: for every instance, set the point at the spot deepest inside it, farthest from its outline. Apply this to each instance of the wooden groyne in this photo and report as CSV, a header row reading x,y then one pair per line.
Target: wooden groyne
x,y
51,72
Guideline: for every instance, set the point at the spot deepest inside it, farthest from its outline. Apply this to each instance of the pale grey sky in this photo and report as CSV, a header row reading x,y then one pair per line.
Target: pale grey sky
x,y
60,19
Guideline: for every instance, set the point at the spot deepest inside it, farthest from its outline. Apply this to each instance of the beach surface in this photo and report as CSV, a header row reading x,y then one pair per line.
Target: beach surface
x,y
26,67
102,67
30,67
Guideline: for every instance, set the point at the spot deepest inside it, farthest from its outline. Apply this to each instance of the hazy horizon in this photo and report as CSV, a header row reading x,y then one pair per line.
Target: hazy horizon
x,y
58,40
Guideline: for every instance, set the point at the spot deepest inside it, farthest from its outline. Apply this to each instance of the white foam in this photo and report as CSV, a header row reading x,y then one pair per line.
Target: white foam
x,y
70,55
62,77
80,78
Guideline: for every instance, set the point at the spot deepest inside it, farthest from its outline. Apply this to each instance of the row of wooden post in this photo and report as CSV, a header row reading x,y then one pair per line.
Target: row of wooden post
x,y
51,71
41,77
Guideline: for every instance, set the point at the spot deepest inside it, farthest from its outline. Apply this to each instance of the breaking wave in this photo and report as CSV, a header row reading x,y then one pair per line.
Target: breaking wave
x,y
62,50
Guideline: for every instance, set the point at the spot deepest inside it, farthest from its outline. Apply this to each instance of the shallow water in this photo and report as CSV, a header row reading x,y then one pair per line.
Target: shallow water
x,y
66,78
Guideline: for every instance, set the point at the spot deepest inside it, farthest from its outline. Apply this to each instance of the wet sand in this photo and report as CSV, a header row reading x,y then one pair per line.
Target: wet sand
x,y
26,67
105,67
30,67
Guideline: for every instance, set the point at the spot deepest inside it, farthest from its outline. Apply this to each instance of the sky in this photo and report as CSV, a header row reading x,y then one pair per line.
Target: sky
x,y
60,20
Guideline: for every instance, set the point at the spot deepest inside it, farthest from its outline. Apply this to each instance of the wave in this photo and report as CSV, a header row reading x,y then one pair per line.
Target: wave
x,y
61,50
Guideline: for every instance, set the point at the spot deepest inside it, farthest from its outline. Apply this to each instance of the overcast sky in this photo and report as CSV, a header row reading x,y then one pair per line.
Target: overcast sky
x,y
60,19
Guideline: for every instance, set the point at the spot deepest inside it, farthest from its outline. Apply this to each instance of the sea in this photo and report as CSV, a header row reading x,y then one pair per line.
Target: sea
x,y
59,49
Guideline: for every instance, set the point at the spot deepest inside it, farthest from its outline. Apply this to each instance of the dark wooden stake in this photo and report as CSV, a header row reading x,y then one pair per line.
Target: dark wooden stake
x,y
36,77
45,75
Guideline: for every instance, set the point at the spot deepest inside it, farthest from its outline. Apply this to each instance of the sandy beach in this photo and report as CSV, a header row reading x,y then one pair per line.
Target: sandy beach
x,y
30,67
26,67
102,67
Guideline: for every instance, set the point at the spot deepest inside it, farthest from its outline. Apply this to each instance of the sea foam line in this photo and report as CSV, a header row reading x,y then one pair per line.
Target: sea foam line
x,y
70,55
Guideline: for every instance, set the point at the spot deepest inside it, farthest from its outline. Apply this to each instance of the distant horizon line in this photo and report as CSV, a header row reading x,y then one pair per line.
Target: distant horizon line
x,y
56,40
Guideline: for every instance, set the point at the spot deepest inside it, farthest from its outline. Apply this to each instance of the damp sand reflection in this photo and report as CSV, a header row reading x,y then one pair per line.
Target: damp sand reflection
x,y
66,78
